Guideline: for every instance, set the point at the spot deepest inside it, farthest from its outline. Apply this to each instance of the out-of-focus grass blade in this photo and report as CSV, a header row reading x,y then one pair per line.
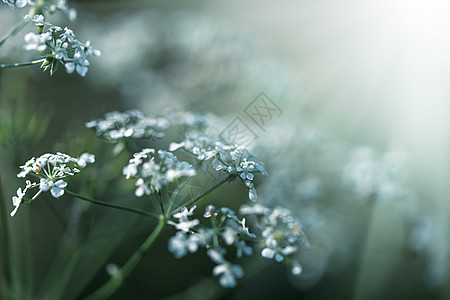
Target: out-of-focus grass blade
x,y
75,271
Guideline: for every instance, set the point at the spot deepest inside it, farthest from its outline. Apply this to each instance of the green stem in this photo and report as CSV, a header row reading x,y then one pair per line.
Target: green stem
x,y
14,32
113,284
219,183
28,63
107,204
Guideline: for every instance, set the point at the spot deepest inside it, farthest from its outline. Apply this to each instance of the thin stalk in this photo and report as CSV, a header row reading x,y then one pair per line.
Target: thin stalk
x,y
115,282
219,183
117,206
28,63
14,32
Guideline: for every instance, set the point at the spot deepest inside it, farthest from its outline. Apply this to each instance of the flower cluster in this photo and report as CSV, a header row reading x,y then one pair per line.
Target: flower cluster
x,y
231,159
128,124
281,232
61,45
201,146
238,160
226,230
50,169
191,121
151,175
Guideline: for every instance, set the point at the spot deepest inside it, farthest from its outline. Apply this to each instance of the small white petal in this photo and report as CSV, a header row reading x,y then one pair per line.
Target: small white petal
x,y
139,191
268,253
237,271
227,280
70,67
219,269
44,185
57,192
14,211
82,70
175,146
61,184
279,257
21,3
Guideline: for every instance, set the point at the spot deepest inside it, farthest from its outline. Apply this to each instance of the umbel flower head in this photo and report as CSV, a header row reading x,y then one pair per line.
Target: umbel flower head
x,y
224,158
223,231
281,233
51,170
238,160
128,124
59,45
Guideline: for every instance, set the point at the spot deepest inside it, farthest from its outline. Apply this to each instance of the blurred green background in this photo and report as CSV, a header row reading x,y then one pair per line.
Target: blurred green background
x,y
356,72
